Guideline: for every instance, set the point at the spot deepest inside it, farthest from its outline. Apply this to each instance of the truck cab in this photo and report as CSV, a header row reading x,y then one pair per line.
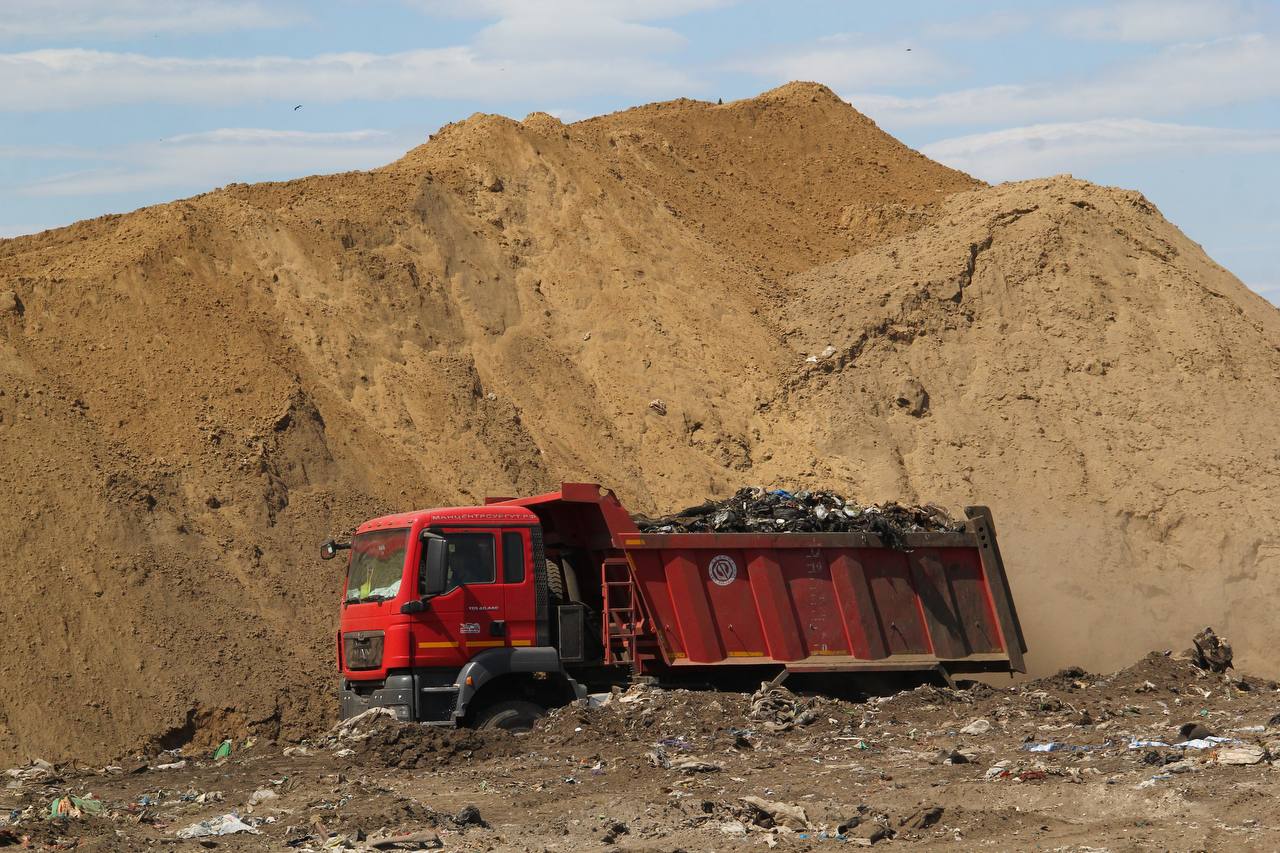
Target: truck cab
x,y
445,619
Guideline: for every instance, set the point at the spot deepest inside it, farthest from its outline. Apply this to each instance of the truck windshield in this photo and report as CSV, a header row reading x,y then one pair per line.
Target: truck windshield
x,y
377,565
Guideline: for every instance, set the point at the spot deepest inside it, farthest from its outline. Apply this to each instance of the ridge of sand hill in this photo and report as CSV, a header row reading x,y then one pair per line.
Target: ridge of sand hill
x,y
196,393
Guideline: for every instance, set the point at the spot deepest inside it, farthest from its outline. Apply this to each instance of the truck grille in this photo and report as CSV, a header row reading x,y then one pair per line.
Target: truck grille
x,y
362,649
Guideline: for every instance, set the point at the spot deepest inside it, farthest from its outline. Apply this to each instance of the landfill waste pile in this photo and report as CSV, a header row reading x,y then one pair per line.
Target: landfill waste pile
x,y
759,510
1162,755
1211,652
671,300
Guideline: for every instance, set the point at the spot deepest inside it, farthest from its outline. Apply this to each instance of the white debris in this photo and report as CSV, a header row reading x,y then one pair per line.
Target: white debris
x,y
227,824
1247,754
262,795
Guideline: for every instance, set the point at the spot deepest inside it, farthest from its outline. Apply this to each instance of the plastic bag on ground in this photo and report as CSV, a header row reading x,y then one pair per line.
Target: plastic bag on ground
x,y
227,824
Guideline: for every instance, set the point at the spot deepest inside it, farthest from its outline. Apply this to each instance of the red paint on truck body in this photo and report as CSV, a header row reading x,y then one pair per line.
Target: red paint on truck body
x,y
808,602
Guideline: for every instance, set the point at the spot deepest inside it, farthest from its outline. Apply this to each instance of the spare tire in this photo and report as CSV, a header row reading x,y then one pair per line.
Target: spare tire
x,y
555,583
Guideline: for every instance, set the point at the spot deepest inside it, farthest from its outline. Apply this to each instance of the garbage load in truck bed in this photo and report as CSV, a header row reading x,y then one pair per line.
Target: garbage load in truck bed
x,y
490,613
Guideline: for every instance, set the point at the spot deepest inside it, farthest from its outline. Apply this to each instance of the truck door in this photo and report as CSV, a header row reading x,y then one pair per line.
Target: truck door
x,y
470,610
518,588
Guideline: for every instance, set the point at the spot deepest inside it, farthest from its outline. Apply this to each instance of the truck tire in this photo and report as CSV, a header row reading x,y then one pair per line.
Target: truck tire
x,y
555,583
512,715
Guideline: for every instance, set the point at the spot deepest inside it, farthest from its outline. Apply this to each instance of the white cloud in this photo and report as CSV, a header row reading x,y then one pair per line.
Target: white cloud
x,y
1175,80
1155,20
978,27
588,35
847,61
70,79
1041,149
127,18
200,161
559,10
551,50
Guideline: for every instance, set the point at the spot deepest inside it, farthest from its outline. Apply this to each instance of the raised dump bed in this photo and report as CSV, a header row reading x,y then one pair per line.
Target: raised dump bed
x,y
829,602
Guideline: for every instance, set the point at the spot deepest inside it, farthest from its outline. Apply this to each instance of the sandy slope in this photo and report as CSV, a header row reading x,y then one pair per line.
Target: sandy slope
x,y
196,393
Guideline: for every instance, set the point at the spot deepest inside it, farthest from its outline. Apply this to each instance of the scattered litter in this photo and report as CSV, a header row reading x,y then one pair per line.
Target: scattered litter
x,y
1145,744
866,828
658,406
38,771
223,750
1211,651
412,841
1058,746
357,728
1205,743
227,824
172,765
694,765
999,770
977,727
1246,754
262,795
1193,731
923,818
469,816
780,709
768,813
71,806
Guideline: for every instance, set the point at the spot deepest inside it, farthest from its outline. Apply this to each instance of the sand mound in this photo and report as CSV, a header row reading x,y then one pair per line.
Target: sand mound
x,y
196,393
1091,373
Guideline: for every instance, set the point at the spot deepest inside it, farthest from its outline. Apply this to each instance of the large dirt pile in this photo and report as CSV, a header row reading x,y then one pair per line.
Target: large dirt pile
x,y
196,393
1059,351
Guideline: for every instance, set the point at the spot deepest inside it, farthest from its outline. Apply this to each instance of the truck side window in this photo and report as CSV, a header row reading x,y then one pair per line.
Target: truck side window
x,y
512,558
470,559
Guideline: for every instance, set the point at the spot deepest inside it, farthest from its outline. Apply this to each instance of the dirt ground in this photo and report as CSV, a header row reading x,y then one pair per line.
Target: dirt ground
x,y
657,770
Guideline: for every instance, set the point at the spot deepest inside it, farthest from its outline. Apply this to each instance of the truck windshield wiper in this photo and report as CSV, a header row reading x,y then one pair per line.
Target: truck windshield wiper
x,y
355,599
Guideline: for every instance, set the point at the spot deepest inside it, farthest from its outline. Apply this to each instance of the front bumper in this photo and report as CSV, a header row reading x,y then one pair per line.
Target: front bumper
x,y
410,696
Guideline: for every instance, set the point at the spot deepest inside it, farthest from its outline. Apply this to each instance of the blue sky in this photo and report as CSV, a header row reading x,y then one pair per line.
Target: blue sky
x,y
108,106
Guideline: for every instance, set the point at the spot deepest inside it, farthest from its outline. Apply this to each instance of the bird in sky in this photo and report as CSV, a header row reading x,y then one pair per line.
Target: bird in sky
x,y
298,107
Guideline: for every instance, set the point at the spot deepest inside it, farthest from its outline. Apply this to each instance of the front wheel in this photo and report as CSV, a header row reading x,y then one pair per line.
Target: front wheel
x,y
513,715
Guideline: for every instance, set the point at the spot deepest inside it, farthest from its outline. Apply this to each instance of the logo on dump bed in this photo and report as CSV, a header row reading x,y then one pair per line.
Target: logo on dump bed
x,y
723,570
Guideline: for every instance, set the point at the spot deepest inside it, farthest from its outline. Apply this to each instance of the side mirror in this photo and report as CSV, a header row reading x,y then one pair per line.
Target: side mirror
x,y
330,549
433,578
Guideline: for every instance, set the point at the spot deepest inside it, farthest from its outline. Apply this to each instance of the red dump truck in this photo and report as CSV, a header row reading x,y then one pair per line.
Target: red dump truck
x,y
488,615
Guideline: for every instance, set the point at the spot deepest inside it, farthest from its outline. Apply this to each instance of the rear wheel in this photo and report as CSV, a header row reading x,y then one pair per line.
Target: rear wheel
x,y
512,715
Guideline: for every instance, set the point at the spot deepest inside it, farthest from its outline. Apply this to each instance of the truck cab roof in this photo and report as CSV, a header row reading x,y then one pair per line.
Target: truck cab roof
x,y
479,516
